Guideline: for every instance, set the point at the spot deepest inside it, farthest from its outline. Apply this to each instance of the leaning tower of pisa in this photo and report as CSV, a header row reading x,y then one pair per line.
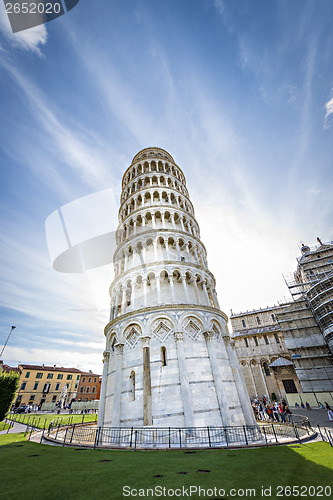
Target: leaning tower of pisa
x,y
168,360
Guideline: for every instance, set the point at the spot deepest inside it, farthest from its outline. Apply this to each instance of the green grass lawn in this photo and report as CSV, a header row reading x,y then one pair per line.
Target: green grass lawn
x,y
33,471
3,426
39,419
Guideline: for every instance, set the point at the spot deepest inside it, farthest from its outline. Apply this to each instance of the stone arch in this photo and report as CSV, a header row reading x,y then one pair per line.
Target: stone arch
x,y
161,326
192,325
132,331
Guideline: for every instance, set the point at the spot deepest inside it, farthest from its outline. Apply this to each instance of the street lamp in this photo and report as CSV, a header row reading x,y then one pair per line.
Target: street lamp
x,y
12,328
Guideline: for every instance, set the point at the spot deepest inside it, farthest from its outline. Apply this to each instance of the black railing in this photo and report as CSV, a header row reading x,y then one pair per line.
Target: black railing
x,y
178,437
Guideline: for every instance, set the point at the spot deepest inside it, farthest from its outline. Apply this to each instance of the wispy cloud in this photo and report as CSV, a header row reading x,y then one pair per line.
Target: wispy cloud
x,y
67,142
329,112
32,39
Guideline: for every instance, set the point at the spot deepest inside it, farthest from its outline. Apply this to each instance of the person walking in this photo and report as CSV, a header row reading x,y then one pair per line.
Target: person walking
x,y
329,411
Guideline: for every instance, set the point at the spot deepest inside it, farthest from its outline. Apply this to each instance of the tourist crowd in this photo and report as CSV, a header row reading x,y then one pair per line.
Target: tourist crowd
x,y
273,411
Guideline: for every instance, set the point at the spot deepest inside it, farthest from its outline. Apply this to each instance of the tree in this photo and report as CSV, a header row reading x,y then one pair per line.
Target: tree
x,y
9,383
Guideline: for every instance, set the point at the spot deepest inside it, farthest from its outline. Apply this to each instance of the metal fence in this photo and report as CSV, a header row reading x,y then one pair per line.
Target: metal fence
x,y
178,437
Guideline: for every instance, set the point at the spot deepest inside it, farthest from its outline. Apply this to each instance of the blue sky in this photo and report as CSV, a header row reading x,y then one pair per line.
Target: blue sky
x,y
239,92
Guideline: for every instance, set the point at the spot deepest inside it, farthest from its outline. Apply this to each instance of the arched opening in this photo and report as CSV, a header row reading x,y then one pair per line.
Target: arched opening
x,y
266,369
163,356
132,383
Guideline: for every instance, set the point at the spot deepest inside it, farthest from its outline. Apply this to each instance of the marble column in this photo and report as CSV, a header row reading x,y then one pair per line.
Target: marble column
x,y
118,385
220,393
204,287
144,291
184,383
240,383
158,289
101,408
261,368
147,400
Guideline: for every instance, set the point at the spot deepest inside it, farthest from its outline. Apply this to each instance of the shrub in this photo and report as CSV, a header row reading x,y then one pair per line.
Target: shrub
x,y
9,383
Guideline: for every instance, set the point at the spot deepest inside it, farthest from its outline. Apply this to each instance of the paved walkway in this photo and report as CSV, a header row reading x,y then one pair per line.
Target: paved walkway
x,y
316,417
17,428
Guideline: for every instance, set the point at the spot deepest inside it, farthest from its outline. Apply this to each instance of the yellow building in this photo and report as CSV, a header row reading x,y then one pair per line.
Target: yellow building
x,y
40,384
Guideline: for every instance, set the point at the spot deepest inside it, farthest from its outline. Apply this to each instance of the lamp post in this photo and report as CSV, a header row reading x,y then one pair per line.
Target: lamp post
x,y
12,328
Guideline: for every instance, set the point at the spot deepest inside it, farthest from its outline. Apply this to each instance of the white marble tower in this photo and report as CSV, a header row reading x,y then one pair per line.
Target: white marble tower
x,y
169,360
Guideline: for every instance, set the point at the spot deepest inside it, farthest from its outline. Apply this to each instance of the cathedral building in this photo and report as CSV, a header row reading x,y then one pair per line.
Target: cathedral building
x,y
169,359
287,349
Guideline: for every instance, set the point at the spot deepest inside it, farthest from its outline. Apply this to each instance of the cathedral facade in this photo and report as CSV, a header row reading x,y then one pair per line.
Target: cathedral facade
x,y
169,359
285,351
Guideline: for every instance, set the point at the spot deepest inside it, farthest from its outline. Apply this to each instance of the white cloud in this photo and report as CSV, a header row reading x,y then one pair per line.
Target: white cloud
x,y
31,39
329,111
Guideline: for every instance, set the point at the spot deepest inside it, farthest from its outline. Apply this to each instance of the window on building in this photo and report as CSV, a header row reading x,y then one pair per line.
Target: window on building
x,y
93,389
27,375
163,356
132,380
76,386
266,369
246,343
89,379
60,376
69,377
81,389
46,388
255,341
54,398
258,320
83,379
23,386
276,338
50,375
32,398
95,380
78,377
57,387
35,386
273,318
266,339
88,389
39,375
243,323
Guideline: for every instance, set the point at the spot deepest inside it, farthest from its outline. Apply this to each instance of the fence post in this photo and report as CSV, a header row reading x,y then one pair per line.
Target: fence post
x,y
30,432
331,440
210,444
65,437
73,430
296,433
226,436
180,439
169,438
328,438
42,436
96,437
246,441
135,440
276,439
265,436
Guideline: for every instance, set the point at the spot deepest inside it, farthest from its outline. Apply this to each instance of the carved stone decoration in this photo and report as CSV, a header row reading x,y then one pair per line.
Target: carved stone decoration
x,y
192,328
209,336
216,331
161,329
132,334
179,336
